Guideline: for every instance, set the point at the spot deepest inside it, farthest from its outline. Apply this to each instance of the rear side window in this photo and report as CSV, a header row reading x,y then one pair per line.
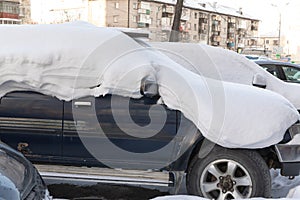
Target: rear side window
x,y
292,74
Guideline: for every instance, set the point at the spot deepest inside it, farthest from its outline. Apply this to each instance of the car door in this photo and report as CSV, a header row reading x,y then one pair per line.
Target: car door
x,y
32,123
125,142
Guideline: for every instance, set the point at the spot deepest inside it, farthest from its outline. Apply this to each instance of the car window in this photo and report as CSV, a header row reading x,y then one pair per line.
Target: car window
x,y
292,74
271,69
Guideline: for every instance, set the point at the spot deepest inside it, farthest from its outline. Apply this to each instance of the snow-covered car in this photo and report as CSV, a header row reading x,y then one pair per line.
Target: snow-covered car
x,y
18,177
227,65
96,105
255,57
285,71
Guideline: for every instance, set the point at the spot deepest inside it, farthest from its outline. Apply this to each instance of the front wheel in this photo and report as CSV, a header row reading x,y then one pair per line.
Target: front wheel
x,y
229,174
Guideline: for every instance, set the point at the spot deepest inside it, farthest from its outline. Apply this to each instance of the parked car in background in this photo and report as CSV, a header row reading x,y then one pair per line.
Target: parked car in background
x,y
285,71
255,57
255,53
18,177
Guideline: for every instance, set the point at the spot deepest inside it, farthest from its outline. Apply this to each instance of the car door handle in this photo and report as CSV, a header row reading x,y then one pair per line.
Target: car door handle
x,y
82,103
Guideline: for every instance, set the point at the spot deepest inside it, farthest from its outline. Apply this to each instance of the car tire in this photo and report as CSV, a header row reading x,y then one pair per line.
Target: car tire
x,y
229,174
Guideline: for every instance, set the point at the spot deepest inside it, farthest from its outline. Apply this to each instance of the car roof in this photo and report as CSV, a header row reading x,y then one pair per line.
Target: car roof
x,y
275,62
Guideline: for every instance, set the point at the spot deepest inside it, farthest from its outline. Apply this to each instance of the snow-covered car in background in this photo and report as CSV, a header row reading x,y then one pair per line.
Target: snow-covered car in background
x,y
256,57
18,177
94,104
227,65
285,71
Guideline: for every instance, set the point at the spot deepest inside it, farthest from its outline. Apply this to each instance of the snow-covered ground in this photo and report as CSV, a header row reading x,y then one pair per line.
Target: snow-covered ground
x,y
282,188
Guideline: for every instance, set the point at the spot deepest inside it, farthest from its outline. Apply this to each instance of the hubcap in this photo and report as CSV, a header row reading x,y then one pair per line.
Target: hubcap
x,y
225,179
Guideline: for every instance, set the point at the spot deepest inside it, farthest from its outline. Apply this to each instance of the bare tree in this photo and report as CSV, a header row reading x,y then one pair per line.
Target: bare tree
x,y
174,37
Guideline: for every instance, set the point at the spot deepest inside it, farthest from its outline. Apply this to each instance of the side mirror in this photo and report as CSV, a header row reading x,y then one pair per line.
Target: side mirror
x,y
259,81
149,87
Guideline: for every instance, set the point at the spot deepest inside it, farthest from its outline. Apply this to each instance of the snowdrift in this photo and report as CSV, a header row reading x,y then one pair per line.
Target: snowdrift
x,y
76,60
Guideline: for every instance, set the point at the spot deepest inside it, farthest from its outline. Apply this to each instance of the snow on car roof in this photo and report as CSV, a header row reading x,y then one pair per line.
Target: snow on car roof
x,y
77,59
226,65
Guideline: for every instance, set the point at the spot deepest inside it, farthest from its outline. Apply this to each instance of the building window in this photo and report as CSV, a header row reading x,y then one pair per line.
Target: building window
x,y
134,18
267,41
196,15
115,18
275,42
158,22
135,6
195,27
117,5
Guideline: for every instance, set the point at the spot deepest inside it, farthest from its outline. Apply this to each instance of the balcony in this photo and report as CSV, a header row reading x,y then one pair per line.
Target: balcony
x,y
216,38
254,27
216,18
185,15
215,43
242,25
144,19
168,9
231,25
144,5
166,27
9,15
216,28
142,25
203,20
202,31
230,30
144,11
230,35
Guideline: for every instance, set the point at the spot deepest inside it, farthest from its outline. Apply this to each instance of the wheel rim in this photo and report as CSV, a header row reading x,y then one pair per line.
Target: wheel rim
x,y
225,179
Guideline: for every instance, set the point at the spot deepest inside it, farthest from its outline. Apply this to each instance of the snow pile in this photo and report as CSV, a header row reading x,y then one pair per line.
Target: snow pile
x,y
294,194
226,65
76,60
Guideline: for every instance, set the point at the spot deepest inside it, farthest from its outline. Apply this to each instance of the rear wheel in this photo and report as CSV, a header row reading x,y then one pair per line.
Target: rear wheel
x,y
229,174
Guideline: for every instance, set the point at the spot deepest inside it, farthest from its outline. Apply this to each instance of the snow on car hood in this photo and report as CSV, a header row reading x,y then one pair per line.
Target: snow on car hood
x,y
226,65
76,60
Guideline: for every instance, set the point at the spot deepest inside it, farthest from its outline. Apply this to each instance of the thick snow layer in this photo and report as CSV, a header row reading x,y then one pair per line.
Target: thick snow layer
x,y
226,65
75,60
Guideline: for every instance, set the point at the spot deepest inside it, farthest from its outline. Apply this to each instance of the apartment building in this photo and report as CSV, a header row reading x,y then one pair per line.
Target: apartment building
x,y
9,12
208,23
25,11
